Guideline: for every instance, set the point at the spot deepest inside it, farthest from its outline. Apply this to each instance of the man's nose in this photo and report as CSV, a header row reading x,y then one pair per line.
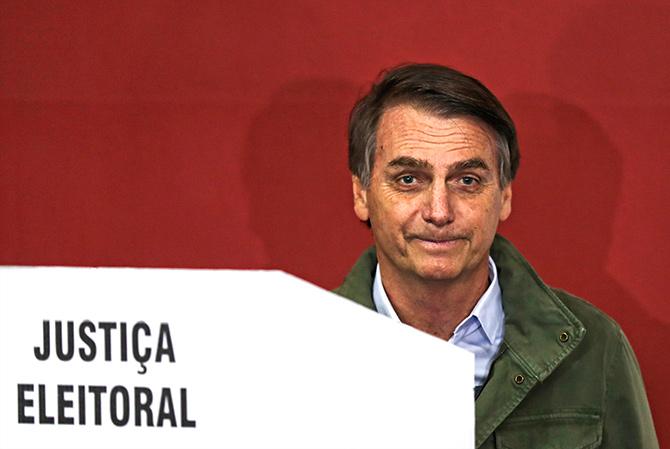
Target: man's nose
x,y
437,208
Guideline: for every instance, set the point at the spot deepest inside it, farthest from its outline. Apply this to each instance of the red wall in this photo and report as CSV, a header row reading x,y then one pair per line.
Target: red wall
x,y
207,134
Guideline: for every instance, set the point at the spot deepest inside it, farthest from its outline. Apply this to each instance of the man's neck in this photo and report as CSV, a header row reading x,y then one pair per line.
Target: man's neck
x,y
434,306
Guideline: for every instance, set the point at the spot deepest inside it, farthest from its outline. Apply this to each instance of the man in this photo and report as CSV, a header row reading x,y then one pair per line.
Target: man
x,y
433,153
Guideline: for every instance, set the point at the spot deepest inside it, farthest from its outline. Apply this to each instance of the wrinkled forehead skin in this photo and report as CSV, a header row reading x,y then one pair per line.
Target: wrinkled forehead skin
x,y
408,126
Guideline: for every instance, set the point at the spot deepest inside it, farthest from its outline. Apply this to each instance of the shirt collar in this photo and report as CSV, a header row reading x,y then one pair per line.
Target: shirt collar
x,y
488,311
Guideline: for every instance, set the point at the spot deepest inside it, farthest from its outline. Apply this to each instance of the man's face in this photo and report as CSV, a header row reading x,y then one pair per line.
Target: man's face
x,y
434,199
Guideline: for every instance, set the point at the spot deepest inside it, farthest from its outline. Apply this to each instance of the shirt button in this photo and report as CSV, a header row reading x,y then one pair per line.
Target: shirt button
x,y
564,337
518,379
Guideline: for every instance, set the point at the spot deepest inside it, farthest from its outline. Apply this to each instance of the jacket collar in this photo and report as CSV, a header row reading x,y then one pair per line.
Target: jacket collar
x,y
535,318
357,286
540,331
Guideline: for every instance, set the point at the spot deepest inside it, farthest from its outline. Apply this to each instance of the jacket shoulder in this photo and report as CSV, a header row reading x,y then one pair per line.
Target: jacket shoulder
x,y
594,320
357,286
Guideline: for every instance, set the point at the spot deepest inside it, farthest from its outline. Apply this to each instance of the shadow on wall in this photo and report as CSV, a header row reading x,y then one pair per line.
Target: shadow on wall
x,y
295,169
565,199
614,54
567,187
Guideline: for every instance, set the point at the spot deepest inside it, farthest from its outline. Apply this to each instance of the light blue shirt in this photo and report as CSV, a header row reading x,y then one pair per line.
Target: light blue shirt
x,y
481,332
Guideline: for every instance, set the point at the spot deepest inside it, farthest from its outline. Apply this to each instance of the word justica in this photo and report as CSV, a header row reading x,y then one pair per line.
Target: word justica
x,y
119,340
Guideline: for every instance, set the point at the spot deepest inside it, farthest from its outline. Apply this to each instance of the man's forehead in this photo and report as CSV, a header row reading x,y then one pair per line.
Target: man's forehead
x,y
405,128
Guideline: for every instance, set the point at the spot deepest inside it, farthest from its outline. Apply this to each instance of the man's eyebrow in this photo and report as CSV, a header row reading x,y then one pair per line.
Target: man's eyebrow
x,y
469,164
410,162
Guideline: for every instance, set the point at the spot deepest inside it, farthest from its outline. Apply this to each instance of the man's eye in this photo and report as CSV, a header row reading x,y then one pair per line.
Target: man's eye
x,y
468,180
407,179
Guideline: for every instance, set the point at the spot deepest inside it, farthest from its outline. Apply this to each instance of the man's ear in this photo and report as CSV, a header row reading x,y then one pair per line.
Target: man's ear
x,y
506,207
360,199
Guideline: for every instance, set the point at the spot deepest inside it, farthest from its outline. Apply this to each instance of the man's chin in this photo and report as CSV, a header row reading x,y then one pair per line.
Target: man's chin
x,y
439,272
438,264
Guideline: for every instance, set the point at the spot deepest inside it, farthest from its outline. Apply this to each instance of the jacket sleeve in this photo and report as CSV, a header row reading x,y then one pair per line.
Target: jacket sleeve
x,y
627,417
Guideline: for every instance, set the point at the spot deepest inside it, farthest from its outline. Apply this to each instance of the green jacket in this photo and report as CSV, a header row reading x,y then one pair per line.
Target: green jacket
x,y
566,377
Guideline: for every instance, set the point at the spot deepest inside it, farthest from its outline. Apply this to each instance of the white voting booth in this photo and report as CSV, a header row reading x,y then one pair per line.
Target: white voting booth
x,y
166,358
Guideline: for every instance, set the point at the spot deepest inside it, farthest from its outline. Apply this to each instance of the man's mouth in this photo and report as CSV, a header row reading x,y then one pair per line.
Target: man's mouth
x,y
434,240
438,242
